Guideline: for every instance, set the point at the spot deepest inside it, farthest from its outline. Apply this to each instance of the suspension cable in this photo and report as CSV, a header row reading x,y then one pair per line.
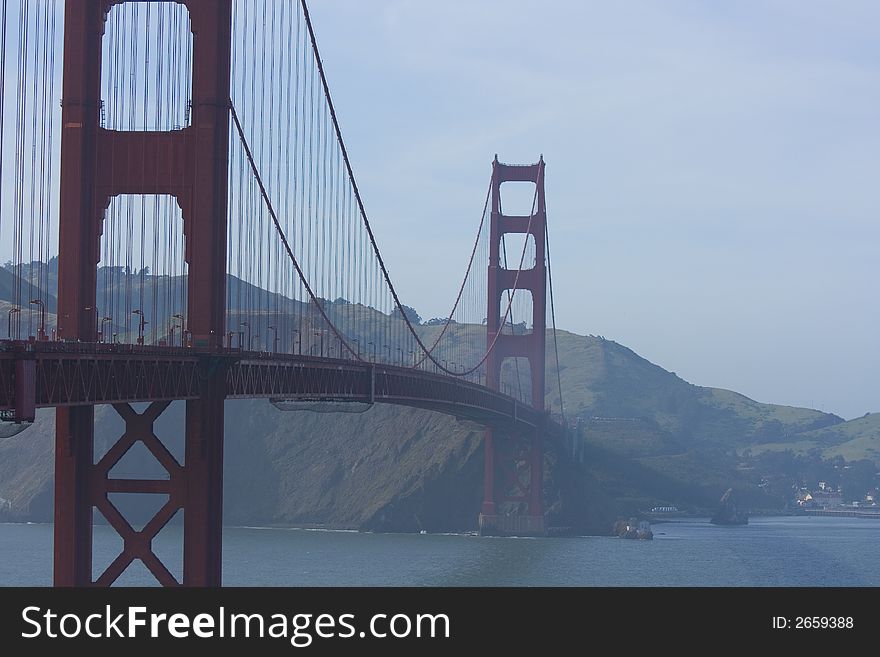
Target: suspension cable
x,y
349,170
553,319
280,231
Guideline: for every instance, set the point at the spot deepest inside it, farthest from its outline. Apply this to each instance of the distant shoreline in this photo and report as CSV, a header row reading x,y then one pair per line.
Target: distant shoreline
x,y
841,513
827,513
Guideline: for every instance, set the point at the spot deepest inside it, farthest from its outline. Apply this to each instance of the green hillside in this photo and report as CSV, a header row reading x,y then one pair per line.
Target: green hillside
x,y
647,437
853,440
858,439
601,378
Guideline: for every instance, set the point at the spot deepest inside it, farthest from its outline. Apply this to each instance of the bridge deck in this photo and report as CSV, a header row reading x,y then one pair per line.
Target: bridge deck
x,y
82,374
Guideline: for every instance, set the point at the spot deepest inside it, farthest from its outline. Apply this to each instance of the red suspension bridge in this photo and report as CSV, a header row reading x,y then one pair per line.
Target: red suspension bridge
x,y
190,175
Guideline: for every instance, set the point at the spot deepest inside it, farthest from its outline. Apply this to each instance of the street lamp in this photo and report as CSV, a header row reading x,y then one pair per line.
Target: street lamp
x,y
255,336
104,320
374,350
274,338
41,331
321,334
400,353
358,346
142,322
241,341
299,342
12,311
389,352
229,339
171,332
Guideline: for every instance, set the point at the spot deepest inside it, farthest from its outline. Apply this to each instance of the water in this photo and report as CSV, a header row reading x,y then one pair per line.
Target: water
x,y
790,551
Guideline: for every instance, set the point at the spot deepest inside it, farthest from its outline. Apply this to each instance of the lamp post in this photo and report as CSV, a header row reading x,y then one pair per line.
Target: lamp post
x,y
274,338
255,336
41,331
400,356
142,322
248,328
299,342
321,335
374,350
104,320
229,339
357,343
12,311
171,332
389,353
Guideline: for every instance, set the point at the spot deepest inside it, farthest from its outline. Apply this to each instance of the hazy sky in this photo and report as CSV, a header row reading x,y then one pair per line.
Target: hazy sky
x,y
712,170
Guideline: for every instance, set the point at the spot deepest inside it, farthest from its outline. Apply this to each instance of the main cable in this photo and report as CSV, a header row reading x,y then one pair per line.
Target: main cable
x,y
384,270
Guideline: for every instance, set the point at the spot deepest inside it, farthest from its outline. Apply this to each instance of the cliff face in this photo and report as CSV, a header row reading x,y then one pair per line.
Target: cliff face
x,y
26,471
389,469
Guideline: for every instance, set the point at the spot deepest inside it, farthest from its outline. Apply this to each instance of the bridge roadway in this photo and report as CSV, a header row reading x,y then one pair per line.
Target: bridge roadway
x,y
52,374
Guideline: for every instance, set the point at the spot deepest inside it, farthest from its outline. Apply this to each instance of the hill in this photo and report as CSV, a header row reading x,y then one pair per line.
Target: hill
x,y
647,437
601,378
853,440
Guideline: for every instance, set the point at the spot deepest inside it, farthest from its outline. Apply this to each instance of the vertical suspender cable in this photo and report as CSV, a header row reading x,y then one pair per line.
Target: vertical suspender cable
x,y
553,320
3,16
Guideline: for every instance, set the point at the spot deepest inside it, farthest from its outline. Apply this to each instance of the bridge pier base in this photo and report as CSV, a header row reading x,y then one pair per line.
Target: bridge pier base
x,y
513,501
512,525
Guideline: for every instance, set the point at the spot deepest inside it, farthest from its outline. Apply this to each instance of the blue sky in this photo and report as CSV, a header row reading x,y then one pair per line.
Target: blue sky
x,y
712,170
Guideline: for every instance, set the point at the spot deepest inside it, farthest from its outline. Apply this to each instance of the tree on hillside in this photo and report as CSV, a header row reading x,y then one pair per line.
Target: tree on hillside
x,y
411,315
439,321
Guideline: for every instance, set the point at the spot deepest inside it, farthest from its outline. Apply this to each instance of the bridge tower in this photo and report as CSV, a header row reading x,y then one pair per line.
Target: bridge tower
x,y
190,164
514,464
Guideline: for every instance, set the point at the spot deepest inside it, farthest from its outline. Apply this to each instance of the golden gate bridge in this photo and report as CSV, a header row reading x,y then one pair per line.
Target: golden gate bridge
x,y
184,223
